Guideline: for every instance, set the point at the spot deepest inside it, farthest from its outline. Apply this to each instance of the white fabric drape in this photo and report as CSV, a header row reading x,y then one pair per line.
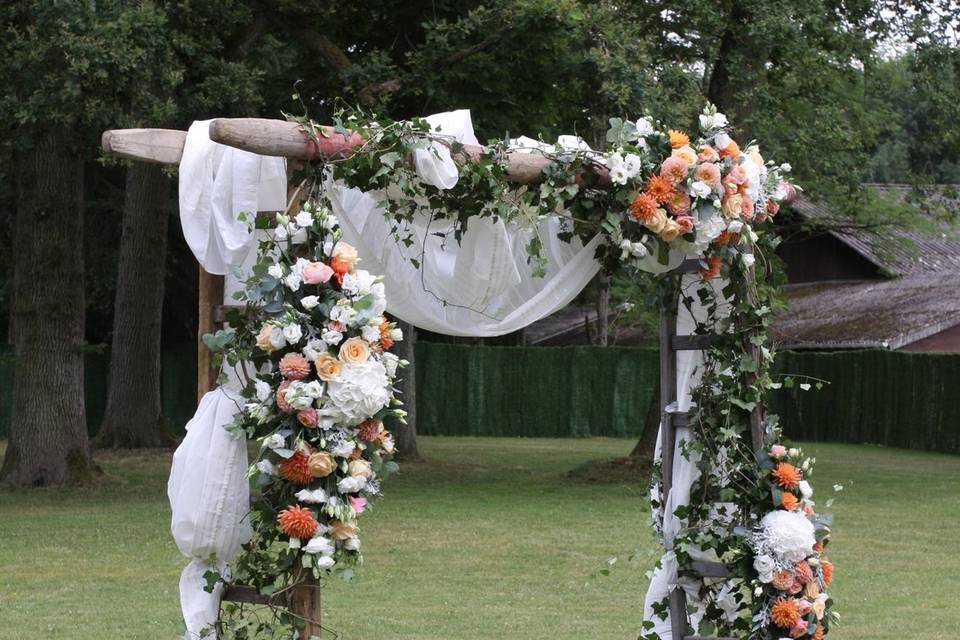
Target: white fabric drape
x,y
480,287
685,471
208,487
217,183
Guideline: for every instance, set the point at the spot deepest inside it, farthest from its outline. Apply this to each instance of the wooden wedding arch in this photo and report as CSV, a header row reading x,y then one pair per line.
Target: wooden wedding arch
x,y
289,140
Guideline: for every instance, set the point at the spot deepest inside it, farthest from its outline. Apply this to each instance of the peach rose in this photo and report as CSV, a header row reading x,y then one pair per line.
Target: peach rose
x,y
263,338
328,367
340,530
708,154
708,173
686,223
657,222
317,273
308,417
282,403
360,468
321,464
671,231
732,205
686,153
354,351
746,208
344,257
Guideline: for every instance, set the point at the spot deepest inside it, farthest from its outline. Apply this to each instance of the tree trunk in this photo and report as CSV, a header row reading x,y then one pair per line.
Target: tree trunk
x,y
48,431
133,415
603,310
406,434
647,444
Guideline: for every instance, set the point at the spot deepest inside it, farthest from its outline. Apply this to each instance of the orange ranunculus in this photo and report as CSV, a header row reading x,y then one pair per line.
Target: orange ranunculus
x,y
659,188
784,613
674,170
643,208
708,173
787,475
297,522
782,580
827,568
678,138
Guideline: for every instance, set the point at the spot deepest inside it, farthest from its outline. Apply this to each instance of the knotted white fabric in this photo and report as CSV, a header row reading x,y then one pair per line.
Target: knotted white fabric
x,y
482,286
217,183
685,472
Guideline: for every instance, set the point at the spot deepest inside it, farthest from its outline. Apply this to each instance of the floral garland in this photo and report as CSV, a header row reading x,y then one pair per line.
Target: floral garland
x,y
314,330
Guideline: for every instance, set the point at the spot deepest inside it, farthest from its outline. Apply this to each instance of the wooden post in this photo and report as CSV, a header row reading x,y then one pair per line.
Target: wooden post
x,y
210,294
304,603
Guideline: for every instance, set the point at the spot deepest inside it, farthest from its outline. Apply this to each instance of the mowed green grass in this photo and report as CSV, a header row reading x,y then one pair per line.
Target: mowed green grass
x,y
487,539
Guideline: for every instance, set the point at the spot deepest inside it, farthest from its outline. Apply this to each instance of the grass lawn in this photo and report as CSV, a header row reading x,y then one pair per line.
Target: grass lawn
x,y
489,539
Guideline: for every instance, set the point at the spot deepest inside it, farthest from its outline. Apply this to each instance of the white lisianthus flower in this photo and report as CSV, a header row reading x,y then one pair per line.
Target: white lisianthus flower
x,y
805,489
639,250
325,562
297,396
267,467
257,411
378,291
351,484
292,333
314,389
294,543
275,441
352,544
309,302
344,449
786,168
793,452
644,127
264,391
304,219
370,333
292,281
275,270
277,340
330,222
358,283
319,545
735,226
719,120
390,363
317,496
632,163
280,233
343,312
748,259
332,337
618,175
396,334
722,140
299,266
313,349
706,122
764,566
701,189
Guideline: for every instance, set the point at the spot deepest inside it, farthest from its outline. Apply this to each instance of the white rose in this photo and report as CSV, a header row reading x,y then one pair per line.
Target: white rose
x,y
277,341
644,127
314,389
396,334
304,219
267,467
317,496
632,163
309,302
280,233
299,266
292,333
351,484
359,282
319,545
701,189
325,562
764,566
344,449
276,271
748,259
332,337
805,489
352,544
735,226
275,441
292,281
263,388
297,396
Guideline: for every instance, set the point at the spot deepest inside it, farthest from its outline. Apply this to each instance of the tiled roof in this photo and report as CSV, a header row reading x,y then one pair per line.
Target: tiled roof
x,y
897,250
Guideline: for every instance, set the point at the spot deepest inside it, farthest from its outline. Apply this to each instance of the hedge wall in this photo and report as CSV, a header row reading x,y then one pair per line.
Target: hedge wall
x,y
881,397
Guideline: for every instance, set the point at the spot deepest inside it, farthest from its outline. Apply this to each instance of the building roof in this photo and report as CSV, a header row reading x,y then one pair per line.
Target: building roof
x,y
887,314
896,250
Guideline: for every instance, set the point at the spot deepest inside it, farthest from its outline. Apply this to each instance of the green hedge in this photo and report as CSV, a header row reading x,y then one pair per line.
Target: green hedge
x,y
882,397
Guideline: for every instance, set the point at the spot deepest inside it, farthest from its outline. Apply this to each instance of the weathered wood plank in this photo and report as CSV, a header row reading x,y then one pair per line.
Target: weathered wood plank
x,y
162,146
210,294
249,595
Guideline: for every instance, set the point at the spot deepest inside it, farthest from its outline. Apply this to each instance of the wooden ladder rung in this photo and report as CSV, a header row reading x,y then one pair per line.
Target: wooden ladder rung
x,y
707,569
694,342
249,595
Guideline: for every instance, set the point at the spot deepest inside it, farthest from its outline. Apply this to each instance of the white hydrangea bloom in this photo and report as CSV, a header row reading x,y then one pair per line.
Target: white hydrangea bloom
x,y
361,390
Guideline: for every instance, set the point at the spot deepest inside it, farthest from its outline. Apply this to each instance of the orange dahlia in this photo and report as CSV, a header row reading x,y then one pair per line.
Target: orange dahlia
x,y
643,208
827,567
789,502
297,522
787,475
296,468
784,613
713,268
659,188
294,366
678,138
385,338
